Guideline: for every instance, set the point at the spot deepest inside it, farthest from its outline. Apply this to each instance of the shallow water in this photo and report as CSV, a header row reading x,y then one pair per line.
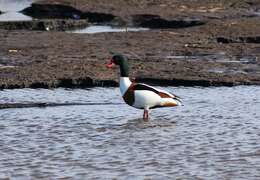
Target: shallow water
x,y
215,135
12,8
14,16
101,29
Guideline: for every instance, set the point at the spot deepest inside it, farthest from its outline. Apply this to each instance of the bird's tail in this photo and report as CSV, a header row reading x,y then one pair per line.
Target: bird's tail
x,y
178,100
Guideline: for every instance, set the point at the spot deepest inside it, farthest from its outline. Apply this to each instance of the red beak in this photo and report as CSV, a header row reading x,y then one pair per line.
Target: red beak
x,y
111,64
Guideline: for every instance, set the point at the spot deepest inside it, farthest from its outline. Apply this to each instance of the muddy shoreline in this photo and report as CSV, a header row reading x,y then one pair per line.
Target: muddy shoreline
x,y
45,25
189,44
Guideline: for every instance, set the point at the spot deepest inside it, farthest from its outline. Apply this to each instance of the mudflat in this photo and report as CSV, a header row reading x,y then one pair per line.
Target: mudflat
x,y
209,43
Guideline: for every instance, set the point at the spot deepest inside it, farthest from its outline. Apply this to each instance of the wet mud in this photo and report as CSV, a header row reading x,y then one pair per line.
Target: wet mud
x,y
60,11
44,105
44,25
214,43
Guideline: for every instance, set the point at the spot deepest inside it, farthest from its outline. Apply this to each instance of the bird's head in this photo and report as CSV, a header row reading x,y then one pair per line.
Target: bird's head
x,y
121,61
117,59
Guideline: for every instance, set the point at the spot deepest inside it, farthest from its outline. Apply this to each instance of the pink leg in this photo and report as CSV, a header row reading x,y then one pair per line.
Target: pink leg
x,y
146,115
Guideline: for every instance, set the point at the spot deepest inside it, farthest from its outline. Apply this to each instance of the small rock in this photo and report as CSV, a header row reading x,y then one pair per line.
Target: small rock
x,y
12,51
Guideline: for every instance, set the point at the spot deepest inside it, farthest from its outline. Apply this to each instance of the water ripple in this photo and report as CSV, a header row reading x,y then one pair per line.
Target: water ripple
x,y
86,134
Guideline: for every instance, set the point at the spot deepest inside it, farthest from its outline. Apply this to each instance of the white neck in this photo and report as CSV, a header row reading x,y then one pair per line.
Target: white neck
x,y
124,84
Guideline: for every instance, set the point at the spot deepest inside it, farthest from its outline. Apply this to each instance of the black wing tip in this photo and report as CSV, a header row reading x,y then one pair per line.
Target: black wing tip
x,y
177,98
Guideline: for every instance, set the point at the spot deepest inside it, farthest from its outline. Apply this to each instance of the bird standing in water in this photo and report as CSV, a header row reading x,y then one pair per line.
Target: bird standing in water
x,y
140,95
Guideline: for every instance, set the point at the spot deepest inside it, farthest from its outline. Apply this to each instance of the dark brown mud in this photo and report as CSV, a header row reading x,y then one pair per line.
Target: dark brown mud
x,y
253,39
59,11
214,43
45,25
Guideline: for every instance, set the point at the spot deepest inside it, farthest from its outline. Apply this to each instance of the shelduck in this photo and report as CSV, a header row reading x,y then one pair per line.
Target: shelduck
x,y
140,95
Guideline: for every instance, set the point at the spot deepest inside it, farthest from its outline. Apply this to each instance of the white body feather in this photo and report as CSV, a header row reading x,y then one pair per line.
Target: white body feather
x,y
124,84
145,99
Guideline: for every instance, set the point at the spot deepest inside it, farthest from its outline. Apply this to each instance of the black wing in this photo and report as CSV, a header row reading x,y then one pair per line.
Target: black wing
x,y
149,88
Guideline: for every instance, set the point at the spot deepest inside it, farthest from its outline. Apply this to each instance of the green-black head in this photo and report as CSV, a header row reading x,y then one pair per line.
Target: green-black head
x,y
122,62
